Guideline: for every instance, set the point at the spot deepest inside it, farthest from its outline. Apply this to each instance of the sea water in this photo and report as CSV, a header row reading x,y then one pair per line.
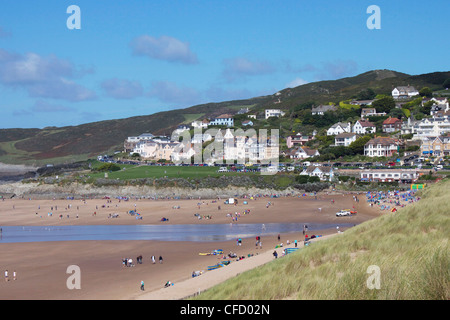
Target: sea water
x,y
168,232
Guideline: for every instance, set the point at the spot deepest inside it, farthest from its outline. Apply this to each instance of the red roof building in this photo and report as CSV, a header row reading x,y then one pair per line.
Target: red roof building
x,y
392,124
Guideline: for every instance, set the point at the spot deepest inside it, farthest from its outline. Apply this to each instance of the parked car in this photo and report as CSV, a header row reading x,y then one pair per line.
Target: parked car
x,y
345,212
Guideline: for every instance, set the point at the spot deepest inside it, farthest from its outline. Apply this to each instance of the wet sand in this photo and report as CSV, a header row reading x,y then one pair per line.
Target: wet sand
x,y
41,267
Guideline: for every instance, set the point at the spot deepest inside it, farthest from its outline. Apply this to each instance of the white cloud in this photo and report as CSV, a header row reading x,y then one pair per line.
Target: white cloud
x,y
239,68
170,92
43,77
122,89
44,106
163,48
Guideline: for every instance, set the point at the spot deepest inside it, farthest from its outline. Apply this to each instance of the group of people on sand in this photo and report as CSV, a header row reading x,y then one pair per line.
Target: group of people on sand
x,y
388,200
7,275
128,262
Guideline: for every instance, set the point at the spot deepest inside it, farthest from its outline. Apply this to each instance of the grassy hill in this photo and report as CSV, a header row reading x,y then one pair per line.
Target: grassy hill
x,y
410,247
73,143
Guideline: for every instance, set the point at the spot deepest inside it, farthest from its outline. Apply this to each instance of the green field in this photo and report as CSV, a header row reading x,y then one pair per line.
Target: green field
x,y
128,172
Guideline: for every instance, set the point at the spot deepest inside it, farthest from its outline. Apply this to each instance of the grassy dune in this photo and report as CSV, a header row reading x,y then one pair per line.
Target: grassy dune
x,y
410,248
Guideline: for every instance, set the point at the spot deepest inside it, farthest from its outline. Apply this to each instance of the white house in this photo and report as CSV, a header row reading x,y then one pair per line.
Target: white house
x,y
180,155
180,129
381,147
274,113
338,128
320,110
131,142
363,127
324,173
369,112
389,175
200,123
301,153
199,138
222,120
404,92
345,139
439,104
431,127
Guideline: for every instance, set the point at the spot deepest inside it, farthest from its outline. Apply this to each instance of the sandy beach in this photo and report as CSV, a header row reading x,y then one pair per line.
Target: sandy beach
x,y
41,267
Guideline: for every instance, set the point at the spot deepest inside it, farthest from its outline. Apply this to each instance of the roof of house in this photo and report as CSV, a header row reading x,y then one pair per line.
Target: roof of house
x,y
384,141
224,116
391,120
323,169
323,108
406,88
343,125
308,151
345,135
365,123
368,109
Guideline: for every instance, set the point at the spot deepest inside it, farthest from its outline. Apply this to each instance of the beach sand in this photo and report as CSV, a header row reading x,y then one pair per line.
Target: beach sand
x,y
41,267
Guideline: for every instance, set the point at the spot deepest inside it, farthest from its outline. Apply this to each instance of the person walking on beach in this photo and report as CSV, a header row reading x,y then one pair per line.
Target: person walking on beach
x,y
275,254
160,259
142,285
153,259
6,276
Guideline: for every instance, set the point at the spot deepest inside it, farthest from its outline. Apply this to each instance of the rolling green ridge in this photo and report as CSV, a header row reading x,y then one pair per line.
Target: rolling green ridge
x,y
73,143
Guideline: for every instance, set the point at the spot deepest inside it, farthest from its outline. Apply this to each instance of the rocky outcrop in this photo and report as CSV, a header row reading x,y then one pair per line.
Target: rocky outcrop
x,y
77,190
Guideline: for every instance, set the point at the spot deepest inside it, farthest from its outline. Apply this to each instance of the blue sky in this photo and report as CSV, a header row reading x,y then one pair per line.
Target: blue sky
x,y
138,57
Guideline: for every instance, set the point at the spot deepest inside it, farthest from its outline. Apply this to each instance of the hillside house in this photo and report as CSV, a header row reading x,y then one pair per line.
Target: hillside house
x,y
131,142
202,124
345,139
324,173
431,127
339,128
361,102
389,175
371,112
381,147
301,153
364,126
222,120
435,146
298,139
404,92
440,104
180,129
273,113
392,124
321,109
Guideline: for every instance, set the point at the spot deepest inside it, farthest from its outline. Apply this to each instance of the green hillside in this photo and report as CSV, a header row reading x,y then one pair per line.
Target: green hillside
x,y
67,144
410,247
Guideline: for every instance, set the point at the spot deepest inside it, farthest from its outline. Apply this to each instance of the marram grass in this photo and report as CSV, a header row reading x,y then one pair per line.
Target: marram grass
x,y
410,248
